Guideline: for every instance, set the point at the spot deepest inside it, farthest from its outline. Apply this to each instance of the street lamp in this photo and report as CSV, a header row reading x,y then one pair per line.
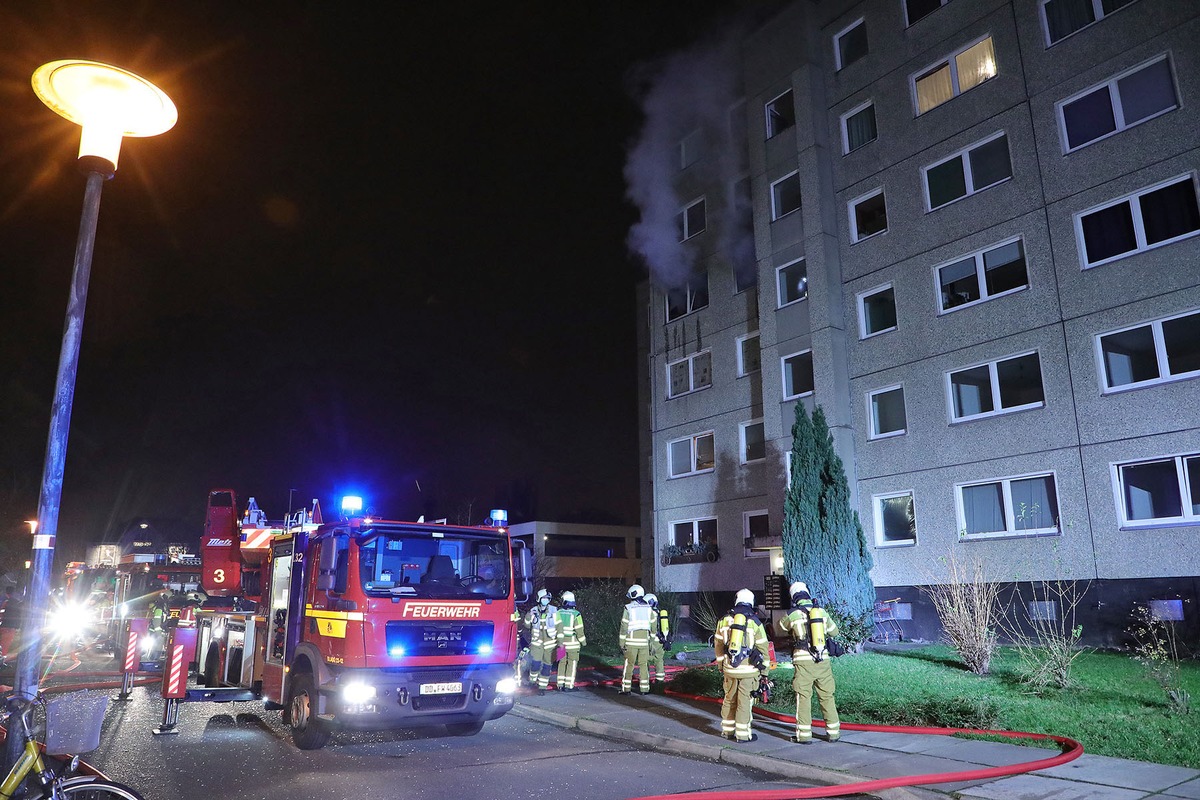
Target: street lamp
x,y
109,103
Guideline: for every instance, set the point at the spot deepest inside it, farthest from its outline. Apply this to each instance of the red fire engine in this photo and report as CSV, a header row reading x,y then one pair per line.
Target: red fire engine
x,y
361,623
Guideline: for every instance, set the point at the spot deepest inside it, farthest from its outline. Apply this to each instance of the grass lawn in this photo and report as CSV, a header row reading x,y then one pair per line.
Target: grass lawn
x,y
1114,710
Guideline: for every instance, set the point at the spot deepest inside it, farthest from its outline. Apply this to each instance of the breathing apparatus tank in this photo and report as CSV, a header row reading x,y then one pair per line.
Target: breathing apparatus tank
x,y
816,633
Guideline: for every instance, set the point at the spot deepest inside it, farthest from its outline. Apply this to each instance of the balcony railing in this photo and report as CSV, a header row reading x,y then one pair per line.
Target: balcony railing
x,y
689,554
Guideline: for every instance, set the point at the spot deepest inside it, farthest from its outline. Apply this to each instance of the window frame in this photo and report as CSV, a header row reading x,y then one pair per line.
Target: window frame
x,y
746,515
687,233
837,41
877,513
775,215
692,137
1010,515
1114,98
861,302
695,523
779,286
1181,476
851,205
691,373
872,433
968,176
742,426
693,438
980,275
845,118
994,384
767,106
1139,226
1097,12
691,295
950,59
1160,354
783,376
742,372
908,23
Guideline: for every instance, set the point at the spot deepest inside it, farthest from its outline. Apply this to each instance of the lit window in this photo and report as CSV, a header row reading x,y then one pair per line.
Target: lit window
x,y
691,455
851,44
1156,352
1064,17
978,167
694,532
997,387
797,375
1021,506
793,282
693,296
1160,491
886,410
1150,218
785,196
689,374
919,9
960,71
692,220
868,216
858,127
753,442
985,274
1142,93
756,525
749,356
781,114
895,519
876,311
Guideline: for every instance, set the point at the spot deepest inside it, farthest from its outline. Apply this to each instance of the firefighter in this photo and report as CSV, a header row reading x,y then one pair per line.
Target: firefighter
x,y
808,626
571,638
634,640
542,641
660,637
742,653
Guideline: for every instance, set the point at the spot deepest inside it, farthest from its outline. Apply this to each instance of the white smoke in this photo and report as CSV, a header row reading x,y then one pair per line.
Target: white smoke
x,y
687,91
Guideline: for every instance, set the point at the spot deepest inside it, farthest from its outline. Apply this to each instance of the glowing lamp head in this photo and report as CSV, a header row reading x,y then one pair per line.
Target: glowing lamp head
x,y
351,505
499,517
108,102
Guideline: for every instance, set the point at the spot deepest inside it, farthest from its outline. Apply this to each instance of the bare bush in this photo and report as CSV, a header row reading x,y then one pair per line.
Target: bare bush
x,y
1157,648
704,614
968,606
1042,626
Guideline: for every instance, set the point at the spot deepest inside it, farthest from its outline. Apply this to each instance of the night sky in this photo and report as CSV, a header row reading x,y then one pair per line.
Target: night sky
x,y
383,247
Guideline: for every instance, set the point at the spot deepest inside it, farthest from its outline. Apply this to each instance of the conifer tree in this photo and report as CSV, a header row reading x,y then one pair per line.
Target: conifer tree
x,y
823,541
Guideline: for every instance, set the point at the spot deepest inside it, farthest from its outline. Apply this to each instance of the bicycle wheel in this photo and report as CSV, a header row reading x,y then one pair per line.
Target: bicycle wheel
x,y
89,787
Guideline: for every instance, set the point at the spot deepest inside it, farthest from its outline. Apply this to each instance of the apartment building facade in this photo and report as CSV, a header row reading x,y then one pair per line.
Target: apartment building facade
x,y
976,245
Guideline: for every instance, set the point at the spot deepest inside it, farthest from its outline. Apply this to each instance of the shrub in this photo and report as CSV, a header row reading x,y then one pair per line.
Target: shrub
x,y
1047,644
1156,647
602,601
968,607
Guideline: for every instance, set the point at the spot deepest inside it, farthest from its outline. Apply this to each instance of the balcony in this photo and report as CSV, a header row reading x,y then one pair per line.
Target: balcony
x,y
689,554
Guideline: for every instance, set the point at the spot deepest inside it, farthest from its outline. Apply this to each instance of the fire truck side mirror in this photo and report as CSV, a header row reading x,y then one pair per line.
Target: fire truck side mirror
x,y
522,572
326,565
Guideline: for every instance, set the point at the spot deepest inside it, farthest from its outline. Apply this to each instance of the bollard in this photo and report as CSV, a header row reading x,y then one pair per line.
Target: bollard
x,y
134,630
180,641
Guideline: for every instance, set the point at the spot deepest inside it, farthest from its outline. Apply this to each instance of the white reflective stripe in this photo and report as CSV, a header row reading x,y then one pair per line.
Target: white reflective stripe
x,y
833,726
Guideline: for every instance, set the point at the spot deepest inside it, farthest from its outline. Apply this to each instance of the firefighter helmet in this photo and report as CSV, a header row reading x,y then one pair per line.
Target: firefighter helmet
x,y
744,597
652,599
568,599
799,591
636,592
543,597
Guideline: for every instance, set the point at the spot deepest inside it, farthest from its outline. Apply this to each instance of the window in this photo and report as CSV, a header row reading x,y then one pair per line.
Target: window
x,y
781,114
797,375
1165,490
793,282
991,272
851,44
895,519
886,410
749,355
785,196
998,387
1150,218
1156,352
753,441
690,149
692,220
560,544
980,166
691,455
693,296
858,127
876,311
694,533
868,216
740,245
689,374
1064,17
919,9
1023,506
962,70
1142,93
755,525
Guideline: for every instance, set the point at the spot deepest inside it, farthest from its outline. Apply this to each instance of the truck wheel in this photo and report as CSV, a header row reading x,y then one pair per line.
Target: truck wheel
x,y
307,731
212,664
464,728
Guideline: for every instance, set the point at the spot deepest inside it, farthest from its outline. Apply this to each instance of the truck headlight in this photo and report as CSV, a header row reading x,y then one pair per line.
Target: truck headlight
x,y
506,686
356,694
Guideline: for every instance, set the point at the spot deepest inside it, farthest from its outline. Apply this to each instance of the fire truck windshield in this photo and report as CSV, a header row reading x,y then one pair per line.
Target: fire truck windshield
x,y
414,564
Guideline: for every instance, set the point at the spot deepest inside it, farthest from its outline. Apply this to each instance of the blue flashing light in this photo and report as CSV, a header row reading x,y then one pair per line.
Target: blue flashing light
x,y
484,650
499,517
351,504
396,652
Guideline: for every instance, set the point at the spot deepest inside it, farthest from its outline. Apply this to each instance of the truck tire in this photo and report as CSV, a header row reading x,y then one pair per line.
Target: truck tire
x,y
464,728
307,731
212,665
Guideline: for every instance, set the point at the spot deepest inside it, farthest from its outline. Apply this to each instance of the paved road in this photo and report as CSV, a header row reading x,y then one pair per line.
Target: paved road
x,y
238,750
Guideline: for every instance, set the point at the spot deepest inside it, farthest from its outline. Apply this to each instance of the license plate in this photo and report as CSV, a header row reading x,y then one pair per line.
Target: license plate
x,y
441,688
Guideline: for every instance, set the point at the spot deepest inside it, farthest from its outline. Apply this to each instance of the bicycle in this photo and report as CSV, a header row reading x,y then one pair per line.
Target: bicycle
x,y
64,726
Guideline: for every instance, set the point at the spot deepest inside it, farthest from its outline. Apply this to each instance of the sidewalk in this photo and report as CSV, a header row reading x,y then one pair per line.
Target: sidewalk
x,y
692,728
